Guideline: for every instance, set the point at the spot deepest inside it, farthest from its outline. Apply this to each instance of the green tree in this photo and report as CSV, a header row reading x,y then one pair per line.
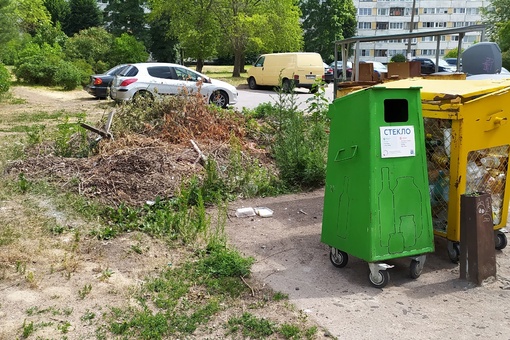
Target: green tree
x,y
193,25
127,49
83,14
325,22
92,45
453,53
58,9
163,46
30,15
272,25
127,16
495,16
6,22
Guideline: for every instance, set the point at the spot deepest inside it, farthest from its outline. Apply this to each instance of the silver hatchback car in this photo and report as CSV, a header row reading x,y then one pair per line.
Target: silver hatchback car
x,y
151,79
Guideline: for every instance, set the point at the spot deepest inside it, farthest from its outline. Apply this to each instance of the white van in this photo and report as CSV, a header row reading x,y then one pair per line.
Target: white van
x,y
301,69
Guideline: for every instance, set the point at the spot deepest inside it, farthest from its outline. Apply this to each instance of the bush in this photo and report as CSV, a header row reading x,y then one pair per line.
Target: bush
x,y
126,49
85,70
5,79
398,58
38,64
67,75
300,141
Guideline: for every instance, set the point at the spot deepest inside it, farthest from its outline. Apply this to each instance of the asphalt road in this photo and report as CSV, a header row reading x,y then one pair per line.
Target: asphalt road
x,y
252,98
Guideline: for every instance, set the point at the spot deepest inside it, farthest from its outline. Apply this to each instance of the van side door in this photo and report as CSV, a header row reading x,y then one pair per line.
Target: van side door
x,y
257,71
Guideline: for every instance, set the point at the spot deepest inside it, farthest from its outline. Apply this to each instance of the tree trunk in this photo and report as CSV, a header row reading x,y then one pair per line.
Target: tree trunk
x,y
238,58
243,63
200,65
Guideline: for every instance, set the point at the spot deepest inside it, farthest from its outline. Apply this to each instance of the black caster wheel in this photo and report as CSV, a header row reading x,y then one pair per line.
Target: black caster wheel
x,y
380,280
453,251
500,240
415,269
338,258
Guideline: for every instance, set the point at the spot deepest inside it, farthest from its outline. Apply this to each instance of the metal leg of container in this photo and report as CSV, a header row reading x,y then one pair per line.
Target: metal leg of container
x,y
379,276
417,264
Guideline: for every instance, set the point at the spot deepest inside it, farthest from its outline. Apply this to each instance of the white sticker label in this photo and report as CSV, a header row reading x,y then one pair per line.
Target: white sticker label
x,y
397,141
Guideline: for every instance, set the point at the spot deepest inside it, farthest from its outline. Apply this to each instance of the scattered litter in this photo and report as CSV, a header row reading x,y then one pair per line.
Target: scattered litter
x,y
245,212
302,212
263,212
150,202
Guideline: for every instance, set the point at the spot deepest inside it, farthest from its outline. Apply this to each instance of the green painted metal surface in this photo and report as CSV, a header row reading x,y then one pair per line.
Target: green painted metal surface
x,y
377,202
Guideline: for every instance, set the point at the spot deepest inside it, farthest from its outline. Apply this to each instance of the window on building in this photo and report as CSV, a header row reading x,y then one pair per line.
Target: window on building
x,y
473,11
440,24
428,52
442,10
364,25
408,24
381,25
470,38
459,10
365,53
364,11
397,11
380,53
383,11
454,38
428,24
408,11
396,25
429,11
391,53
458,24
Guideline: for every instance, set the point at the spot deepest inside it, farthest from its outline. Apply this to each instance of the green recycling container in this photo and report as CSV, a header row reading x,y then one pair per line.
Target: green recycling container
x,y
377,199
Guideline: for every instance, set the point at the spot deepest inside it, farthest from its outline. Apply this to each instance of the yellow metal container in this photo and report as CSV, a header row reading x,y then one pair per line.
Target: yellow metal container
x,y
468,147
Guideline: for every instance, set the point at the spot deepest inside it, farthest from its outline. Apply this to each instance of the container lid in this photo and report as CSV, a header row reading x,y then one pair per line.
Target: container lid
x,y
437,89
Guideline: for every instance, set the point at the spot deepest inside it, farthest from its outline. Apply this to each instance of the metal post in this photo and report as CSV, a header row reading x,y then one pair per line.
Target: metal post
x,y
459,49
411,31
477,249
438,45
335,77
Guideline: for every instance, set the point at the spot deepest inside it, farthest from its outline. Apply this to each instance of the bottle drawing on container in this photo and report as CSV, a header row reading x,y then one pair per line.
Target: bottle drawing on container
x,y
342,219
408,212
386,207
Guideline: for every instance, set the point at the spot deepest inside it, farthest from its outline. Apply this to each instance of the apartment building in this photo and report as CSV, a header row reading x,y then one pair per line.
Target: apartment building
x,y
385,17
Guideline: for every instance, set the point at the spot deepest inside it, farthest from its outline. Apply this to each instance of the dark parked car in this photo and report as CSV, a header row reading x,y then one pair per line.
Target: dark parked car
x,y
428,66
339,66
99,84
328,73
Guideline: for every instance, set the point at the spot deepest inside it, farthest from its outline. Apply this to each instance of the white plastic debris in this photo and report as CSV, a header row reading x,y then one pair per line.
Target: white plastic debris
x,y
245,212
263,212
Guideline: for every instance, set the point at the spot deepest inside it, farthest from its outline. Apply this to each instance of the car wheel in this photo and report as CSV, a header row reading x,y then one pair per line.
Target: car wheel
x,y
252,84
286,85
142,95
219,98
